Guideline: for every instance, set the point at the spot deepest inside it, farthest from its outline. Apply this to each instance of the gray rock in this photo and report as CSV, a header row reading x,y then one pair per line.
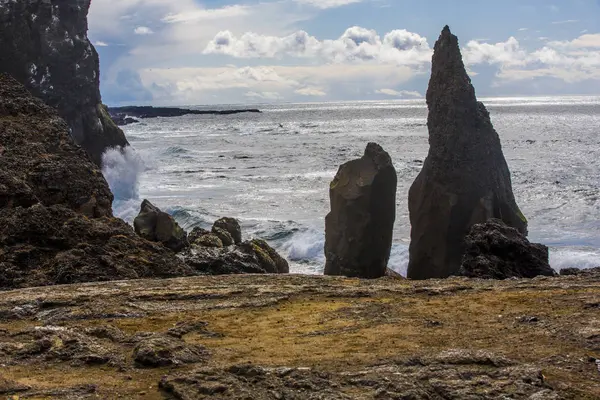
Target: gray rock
x,y
465,179
359,228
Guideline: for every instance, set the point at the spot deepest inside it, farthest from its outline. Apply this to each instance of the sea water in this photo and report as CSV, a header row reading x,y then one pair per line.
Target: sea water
x,y
272,170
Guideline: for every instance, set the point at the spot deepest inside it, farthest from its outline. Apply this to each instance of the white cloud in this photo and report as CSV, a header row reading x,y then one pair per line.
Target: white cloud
x,y
208,14
568,21
356,44
198,85
100,43
270,96
311,91
324,4
143,30
523,29
399,93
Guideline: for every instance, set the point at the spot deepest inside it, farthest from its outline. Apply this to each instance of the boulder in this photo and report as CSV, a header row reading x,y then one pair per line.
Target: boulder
x,y
56,224
230,225
44,46
252,257
465,179
497,251
156,226
359,228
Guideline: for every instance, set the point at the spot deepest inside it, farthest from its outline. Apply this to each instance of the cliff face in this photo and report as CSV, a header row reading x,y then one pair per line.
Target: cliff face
x,y
465,179
56,223
44,45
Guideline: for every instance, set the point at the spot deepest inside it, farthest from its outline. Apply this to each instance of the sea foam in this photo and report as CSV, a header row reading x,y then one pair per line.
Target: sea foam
x,y
122,168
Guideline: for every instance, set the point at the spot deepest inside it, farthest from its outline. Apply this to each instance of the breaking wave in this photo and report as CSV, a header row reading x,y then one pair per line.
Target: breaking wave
x,y
122,168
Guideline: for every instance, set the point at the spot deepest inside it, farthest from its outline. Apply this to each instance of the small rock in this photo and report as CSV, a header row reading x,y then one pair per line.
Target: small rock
x,y
160,351
225,236
232,226
156,226
209,240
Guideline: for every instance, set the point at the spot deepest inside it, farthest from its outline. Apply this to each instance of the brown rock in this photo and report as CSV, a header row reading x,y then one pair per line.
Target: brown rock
x,y
232,226
56,224
465,179
40,162
164,350
359,227
156,226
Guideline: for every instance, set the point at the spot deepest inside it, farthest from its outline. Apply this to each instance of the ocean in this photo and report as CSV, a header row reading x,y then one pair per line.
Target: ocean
x,y
272,170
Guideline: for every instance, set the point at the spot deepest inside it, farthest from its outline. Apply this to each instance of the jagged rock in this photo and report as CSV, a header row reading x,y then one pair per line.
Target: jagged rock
x,y
497,251
223,235
465,179
44,45
359,227
39,161
56,224
42,246
253,257
162,350
156,226
232,226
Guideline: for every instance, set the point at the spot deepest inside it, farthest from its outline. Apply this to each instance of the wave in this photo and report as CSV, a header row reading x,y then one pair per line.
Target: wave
x,y
581,258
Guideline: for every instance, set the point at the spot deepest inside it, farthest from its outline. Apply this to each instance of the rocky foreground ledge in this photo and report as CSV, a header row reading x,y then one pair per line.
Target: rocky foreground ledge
x,y
303,337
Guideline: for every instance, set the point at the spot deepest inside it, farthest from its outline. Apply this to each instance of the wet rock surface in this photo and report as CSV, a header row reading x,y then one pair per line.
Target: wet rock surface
x,y
497,251
157,226
465,179
56,223
44,46
359,228
301,337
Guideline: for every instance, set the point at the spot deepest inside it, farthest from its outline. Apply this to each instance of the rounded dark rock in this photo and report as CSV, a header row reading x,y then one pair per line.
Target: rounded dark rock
x,y
157,226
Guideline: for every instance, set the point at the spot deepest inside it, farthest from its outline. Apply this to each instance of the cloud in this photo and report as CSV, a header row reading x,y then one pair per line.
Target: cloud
x,y
143,30
523,29
568,21
570,61
324,4
208,14
356,44
401,93
100,43
201,85
271,96
311,91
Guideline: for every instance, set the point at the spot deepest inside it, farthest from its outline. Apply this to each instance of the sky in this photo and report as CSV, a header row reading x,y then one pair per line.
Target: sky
x,y
194,52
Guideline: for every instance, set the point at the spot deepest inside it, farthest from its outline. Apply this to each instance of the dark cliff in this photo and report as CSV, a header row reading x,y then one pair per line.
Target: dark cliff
x,y
44,45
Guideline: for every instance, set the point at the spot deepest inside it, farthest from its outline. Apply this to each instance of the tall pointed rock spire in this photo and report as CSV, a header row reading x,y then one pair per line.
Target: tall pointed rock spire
x,y
465,179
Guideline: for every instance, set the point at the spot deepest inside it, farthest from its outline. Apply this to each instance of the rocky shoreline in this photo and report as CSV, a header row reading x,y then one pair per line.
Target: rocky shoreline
x,y
207,314
131,114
